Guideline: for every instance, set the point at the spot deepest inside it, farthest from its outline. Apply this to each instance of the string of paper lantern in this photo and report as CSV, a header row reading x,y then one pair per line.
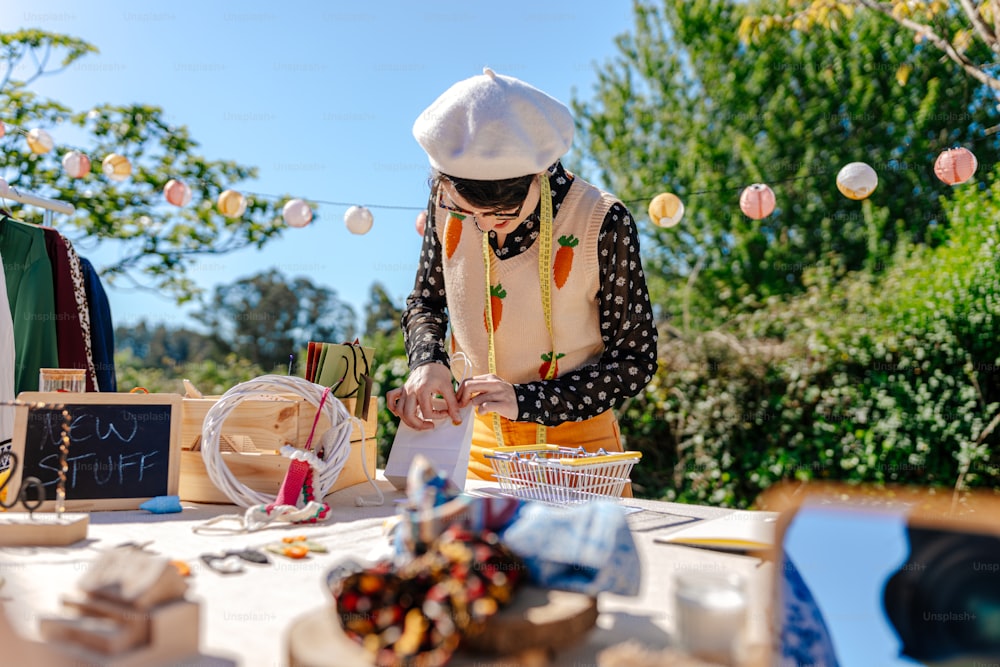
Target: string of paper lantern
x,y
856,181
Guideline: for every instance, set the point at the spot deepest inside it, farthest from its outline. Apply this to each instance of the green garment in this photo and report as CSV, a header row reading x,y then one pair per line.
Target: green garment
x,y
28,272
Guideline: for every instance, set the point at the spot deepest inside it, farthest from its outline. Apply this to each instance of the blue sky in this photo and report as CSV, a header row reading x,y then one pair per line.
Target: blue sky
x,y
321,97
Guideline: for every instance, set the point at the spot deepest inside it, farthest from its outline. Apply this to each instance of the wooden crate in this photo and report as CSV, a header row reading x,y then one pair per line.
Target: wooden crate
x,y
265,425
251,436
264,472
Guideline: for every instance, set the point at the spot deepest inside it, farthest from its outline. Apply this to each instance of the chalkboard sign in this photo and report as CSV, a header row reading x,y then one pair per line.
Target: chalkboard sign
x,y
124,448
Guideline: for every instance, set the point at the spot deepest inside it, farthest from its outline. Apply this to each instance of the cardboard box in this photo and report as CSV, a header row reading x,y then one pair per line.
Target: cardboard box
x,y
251,436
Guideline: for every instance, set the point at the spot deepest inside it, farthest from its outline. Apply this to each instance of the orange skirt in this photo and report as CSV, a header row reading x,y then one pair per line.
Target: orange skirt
x,y
592,434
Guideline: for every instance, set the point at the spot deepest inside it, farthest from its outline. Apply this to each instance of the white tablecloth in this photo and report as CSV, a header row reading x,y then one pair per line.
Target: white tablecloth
x,y
245,616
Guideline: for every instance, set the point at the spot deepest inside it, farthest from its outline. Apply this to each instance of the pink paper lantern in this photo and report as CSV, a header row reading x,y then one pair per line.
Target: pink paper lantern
x,y
955,165
421,222
296,213
76,164
757,201
177,192
3,130
358,219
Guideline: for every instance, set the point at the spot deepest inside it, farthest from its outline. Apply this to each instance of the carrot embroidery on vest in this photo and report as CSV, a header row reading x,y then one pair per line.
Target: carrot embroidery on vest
x,y
543,370
563,263
497,294
452,233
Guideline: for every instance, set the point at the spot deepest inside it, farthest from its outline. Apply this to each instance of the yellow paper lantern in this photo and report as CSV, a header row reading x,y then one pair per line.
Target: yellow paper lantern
x,y
955,165
296,213
857,180
421,222
666,209
116,167
76,164
358,219
231,203
757,201
39,141
177,192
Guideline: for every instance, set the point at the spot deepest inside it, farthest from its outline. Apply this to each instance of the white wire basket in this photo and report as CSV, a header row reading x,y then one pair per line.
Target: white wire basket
x,y
561,475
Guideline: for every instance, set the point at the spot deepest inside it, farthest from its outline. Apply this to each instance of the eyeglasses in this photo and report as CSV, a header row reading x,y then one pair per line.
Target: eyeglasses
x,y
500,215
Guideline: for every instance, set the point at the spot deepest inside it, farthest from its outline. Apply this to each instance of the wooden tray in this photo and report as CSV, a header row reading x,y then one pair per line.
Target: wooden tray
x,y
537,619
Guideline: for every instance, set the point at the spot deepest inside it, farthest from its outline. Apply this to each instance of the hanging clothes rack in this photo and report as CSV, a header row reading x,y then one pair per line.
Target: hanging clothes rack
x,y
50,205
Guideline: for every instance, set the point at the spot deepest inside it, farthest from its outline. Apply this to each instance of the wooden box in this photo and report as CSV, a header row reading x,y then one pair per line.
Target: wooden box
x,y
250,439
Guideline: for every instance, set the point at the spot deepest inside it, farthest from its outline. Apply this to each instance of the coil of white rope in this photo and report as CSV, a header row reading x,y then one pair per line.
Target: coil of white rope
x,y
334,443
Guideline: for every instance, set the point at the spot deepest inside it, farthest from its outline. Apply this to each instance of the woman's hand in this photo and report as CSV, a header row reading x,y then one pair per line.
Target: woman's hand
x,y
416,402
489,393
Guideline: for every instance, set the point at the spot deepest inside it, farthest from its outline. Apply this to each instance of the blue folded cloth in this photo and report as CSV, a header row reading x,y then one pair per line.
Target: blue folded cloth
x,y
586,548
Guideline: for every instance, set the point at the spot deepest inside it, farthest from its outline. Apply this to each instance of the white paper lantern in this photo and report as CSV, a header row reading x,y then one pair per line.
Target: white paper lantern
x,y
296,213
358,219
177,192
857,180
39,141
76,164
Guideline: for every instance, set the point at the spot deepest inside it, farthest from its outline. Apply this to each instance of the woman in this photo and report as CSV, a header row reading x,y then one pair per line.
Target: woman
x,y
556,352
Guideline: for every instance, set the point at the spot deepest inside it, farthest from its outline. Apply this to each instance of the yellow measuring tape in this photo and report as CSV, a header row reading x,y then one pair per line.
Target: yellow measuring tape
x,y
544,269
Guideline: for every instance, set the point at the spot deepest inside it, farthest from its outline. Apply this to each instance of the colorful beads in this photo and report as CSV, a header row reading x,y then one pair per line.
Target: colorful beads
x,y
417,613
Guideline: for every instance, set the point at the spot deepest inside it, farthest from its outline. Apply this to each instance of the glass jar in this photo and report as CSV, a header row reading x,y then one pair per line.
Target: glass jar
x,y
711,614
62,379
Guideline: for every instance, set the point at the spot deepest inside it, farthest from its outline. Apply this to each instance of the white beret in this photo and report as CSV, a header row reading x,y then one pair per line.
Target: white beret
x,y
490,127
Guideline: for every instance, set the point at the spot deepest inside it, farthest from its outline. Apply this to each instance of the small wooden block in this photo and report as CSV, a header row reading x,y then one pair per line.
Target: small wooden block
x,y
95,634
137,581
19,529
174,628
174,641
134,623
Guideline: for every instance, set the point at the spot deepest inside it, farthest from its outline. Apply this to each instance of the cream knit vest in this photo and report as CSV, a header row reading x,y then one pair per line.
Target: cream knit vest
x,y
522,343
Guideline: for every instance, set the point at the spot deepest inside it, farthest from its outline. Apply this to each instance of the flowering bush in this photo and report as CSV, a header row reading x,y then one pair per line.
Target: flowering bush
x,y
882,378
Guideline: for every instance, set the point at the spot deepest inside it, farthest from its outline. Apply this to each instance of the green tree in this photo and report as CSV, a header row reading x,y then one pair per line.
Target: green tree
x,y
382,330
159,344
382,316
966,32
266,317
158,242
687,107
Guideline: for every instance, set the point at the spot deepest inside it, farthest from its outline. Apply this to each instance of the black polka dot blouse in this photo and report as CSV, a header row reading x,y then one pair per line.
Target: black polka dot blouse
x,y
627,327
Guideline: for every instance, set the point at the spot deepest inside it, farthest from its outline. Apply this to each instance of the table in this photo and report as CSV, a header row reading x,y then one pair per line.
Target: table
x,y
245,616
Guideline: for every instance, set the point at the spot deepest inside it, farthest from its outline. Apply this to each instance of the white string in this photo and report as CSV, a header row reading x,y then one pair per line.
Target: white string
x,y
466,368
335,442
